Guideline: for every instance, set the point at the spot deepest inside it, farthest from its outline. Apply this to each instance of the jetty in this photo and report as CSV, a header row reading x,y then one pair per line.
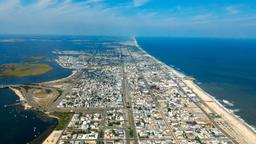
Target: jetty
x,y
6,86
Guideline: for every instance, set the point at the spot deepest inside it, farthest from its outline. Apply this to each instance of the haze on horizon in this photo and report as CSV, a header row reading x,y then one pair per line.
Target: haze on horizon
x,y
191,18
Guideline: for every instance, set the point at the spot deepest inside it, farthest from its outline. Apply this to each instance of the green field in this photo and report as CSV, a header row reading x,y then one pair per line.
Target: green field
x,y
63,119
21,70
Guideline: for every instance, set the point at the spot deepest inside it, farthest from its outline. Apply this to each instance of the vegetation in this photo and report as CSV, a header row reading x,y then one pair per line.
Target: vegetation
x,y
63,119
131,132
21,70
60,93
198,139
26,88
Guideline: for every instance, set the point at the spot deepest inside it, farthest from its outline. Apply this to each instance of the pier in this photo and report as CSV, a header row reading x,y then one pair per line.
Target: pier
x,y
9,85
10,105
18,85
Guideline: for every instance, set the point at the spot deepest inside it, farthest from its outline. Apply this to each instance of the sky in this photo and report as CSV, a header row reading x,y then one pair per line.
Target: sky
x,y
185,18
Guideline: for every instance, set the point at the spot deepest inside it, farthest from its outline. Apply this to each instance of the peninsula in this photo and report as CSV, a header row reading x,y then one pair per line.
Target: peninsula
x,y
124,95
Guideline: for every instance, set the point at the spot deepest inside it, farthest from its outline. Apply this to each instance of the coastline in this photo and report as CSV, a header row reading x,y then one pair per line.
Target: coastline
x,y
238,124
228,110
21,98
28,110
74,72
52,135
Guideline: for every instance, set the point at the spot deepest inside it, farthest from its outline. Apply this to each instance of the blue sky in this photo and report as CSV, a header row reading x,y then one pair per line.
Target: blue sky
x,y
189,18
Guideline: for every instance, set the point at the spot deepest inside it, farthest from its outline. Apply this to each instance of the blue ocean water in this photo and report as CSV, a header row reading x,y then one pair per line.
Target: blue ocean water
x,y
225,68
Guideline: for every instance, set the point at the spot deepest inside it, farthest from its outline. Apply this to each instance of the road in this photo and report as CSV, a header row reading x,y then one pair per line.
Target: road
x,y
129,118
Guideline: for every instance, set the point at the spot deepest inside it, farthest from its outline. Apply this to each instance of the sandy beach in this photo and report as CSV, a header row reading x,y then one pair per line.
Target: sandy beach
x,y
62,79
53,137
240,131
21,97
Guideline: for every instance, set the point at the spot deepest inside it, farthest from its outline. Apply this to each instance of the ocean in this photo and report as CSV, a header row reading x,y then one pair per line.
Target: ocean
x,y
225,68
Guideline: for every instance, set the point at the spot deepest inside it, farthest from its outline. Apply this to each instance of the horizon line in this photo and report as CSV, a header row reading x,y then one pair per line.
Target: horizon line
x,y
136,36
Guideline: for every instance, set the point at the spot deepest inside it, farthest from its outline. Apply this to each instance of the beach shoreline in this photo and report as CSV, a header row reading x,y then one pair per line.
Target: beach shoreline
x,y
238,124
54,135
74,72
21,97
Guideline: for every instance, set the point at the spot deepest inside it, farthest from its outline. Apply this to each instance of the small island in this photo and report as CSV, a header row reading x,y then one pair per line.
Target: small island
x,y
21,70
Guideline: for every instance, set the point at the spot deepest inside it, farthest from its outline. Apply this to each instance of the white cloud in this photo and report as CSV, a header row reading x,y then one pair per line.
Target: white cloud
x,y
67,17
43,3
9,4
138,3
232,10
94,1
